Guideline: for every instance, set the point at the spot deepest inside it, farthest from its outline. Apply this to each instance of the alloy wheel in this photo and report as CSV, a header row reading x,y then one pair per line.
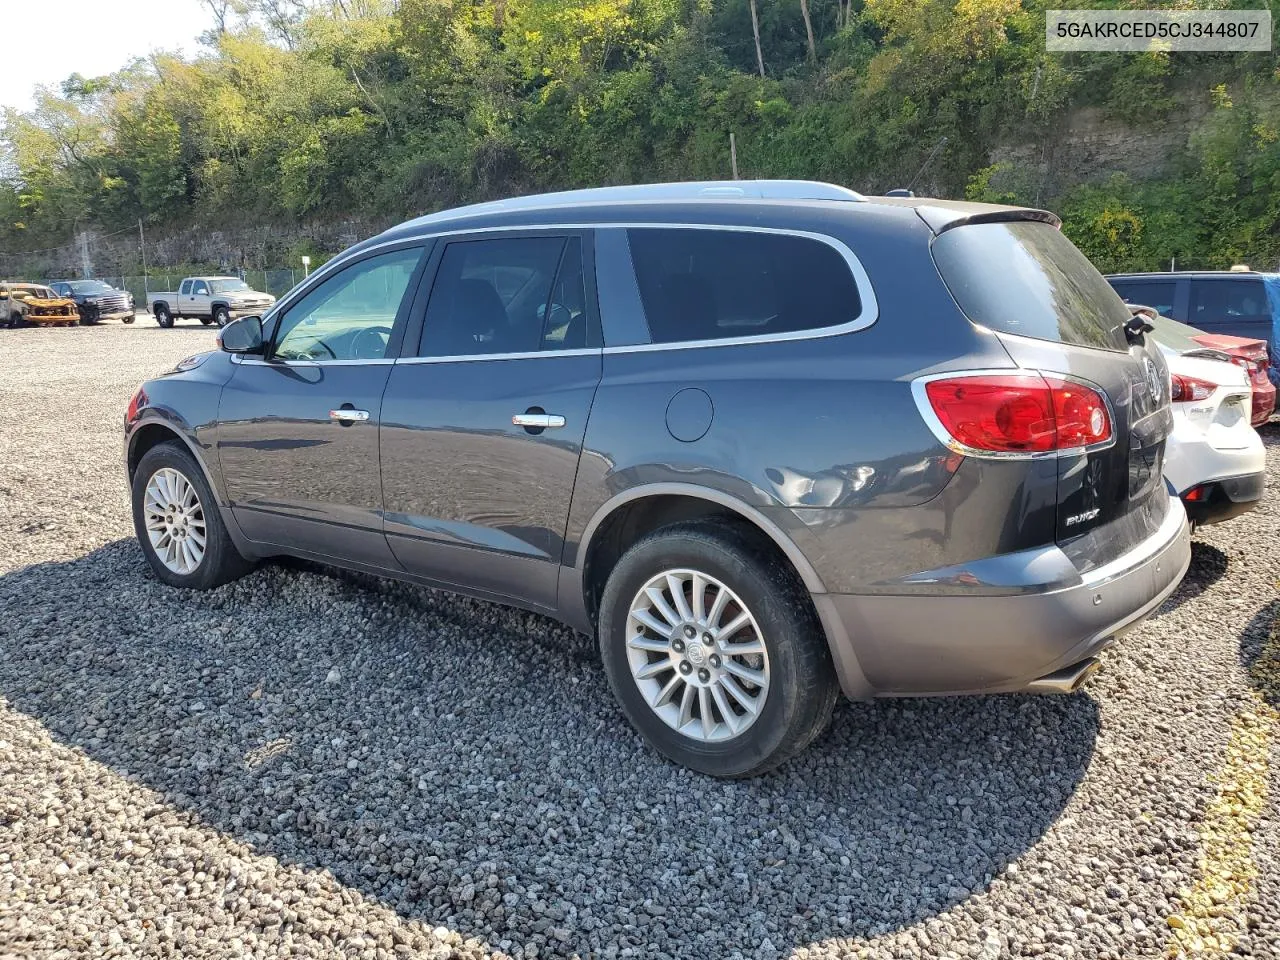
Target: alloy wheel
x,y
697,655
174,518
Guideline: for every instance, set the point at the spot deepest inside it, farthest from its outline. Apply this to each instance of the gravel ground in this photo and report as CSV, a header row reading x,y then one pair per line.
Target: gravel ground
x,y
319,764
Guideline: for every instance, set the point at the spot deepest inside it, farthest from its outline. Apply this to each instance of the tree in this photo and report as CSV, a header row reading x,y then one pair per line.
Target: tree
x,y
755,30
808,29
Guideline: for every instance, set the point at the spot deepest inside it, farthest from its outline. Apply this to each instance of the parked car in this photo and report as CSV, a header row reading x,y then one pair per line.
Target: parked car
x,y
1215,459
24,304
765,440
1249,355
1238,303
208,299
96,300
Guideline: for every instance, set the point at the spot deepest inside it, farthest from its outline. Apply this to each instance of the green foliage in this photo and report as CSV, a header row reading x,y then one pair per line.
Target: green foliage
x,y
388,108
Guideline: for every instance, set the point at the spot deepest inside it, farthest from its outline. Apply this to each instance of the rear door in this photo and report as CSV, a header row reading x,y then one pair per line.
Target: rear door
x,y
1055,313
483,420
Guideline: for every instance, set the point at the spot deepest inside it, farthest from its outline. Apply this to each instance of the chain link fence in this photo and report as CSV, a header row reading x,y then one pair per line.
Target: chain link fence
x,y
275,282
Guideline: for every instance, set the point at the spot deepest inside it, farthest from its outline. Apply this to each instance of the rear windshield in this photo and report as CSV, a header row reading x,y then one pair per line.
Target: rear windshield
x,y
1027,278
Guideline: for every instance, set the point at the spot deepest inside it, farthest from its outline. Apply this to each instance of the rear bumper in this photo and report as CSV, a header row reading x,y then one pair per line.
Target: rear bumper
x,y
1022,639
1221,500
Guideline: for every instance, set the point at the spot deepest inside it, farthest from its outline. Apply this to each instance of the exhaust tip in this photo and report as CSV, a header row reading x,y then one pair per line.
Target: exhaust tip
x,y
1068,679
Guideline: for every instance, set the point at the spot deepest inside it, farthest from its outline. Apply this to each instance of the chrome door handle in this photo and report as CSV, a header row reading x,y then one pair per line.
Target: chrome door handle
x,y
547,421
348,414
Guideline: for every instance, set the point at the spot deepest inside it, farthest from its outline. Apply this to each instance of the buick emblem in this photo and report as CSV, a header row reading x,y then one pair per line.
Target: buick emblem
x,y
1153,380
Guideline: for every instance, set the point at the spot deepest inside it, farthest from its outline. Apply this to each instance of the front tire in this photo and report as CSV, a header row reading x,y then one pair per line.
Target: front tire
x,y
163,316
221,316
714,651
176,519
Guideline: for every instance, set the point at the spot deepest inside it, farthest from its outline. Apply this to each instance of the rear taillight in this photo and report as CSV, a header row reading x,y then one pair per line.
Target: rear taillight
x,y
1024,413
1189,389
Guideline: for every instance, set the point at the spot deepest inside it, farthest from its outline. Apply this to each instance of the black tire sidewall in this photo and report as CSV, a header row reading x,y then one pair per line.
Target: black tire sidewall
x,y
774,606
221,316
221,561
164,317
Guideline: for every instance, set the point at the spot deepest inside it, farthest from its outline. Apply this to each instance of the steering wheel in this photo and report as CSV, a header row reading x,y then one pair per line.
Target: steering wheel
x,y
370,343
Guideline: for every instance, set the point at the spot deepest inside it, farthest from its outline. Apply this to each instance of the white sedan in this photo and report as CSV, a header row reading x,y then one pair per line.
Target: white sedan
x,y
1214,458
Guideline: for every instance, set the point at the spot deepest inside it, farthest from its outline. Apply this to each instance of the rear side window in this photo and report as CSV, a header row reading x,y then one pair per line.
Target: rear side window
x,y
1226,301
1157,294
717,284
1028,279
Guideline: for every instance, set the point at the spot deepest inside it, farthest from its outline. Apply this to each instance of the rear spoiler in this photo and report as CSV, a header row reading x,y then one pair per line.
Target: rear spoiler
x,y
940,218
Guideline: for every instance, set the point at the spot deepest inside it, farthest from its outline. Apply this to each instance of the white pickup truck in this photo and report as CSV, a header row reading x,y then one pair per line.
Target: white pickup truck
x,y
208,299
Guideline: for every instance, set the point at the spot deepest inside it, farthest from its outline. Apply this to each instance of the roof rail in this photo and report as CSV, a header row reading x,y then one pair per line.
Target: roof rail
x,y
657,192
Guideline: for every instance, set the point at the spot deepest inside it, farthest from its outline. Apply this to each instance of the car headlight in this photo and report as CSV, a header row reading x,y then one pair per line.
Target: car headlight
x,y
92,301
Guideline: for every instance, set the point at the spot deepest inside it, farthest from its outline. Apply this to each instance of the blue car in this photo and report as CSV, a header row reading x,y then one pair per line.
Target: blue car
x,y
1232,302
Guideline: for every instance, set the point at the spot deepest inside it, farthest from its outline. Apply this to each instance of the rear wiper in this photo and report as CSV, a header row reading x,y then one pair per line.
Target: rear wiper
x,y
1136,327
1138,324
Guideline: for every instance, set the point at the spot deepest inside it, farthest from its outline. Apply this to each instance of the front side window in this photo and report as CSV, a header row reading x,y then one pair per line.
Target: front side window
x,y
1227,301
201,289
509,295
350,316
716,284
1157,294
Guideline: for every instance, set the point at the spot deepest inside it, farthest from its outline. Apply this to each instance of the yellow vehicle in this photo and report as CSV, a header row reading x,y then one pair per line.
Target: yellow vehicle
x,y
22,304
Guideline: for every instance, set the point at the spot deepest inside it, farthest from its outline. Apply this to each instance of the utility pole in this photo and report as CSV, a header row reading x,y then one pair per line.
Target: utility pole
x,y
86,267
142,245
733,154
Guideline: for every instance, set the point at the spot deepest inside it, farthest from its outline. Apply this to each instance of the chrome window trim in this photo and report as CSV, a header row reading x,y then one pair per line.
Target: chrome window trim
x,y
255,362
951,443
868,315
525,355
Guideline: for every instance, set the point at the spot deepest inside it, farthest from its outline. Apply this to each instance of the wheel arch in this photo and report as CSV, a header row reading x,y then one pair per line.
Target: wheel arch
x,y
602,546
151,433
638,511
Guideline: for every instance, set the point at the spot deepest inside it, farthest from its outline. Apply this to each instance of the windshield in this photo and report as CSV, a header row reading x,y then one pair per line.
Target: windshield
x,y
89,286
1027,278
228,286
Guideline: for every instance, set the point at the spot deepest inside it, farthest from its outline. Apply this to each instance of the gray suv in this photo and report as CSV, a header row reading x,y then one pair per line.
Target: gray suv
x,y
769,441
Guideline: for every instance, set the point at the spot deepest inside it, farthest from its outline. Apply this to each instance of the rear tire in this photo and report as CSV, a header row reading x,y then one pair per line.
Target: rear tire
x,y
780,699
173,507
163,316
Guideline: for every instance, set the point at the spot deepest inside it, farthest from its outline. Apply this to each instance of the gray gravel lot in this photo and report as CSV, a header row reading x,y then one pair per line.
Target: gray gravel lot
x,y
318,764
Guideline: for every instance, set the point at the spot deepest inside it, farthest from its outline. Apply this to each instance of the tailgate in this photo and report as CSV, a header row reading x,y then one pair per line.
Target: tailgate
x,y
1053,312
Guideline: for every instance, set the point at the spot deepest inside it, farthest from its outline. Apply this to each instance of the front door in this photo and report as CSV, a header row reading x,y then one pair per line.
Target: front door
x,y
482,429
197,302
298,437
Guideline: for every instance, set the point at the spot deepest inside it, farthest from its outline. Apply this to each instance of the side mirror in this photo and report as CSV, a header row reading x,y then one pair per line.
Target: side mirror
x,y
242,336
